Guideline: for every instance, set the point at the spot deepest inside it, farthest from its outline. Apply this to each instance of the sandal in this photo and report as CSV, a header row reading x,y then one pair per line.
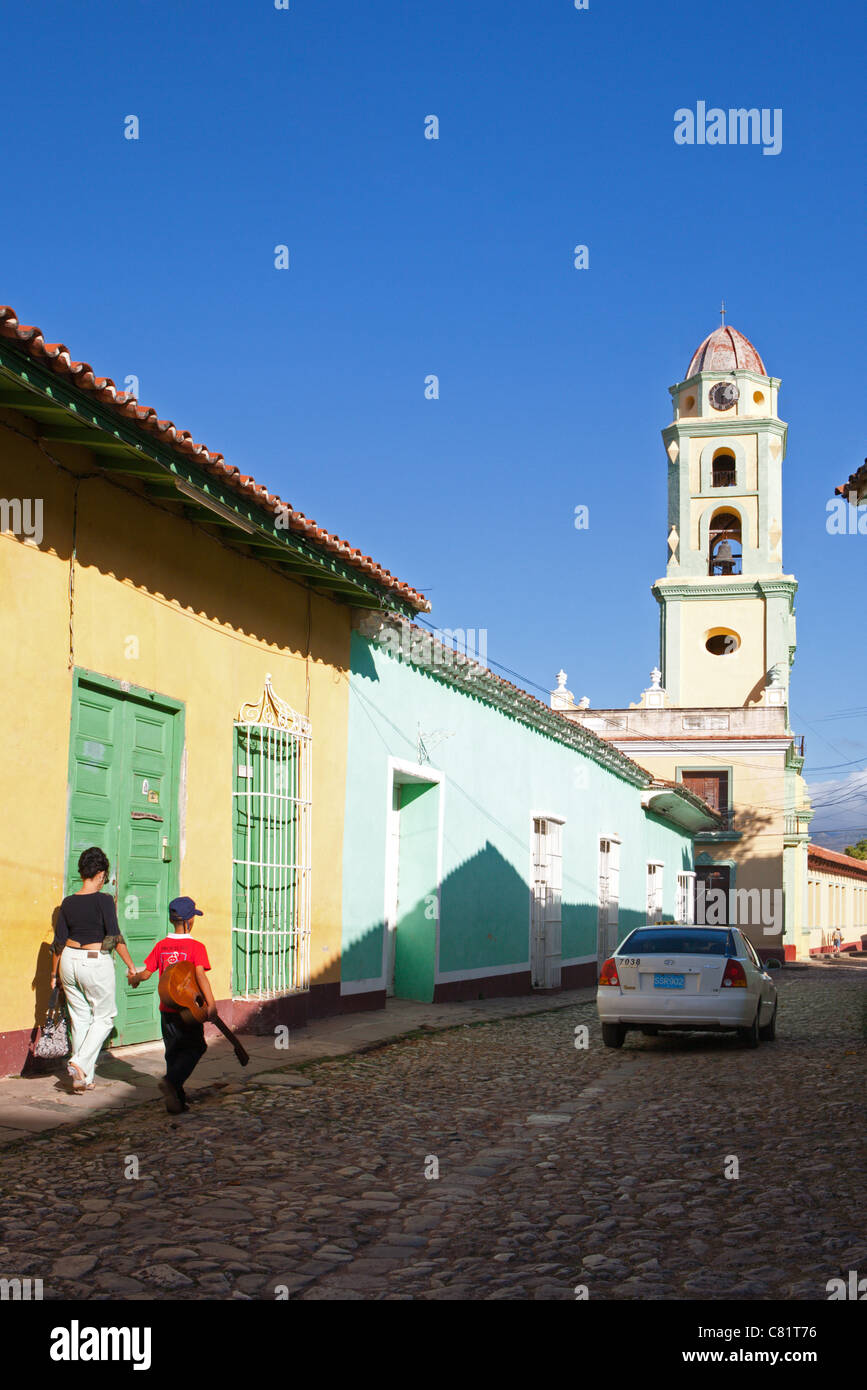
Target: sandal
x,y
79,1083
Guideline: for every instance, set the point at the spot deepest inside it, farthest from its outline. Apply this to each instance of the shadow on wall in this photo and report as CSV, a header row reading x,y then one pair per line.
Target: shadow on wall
x,y
753,824
170,559
485,909
41,988
761,841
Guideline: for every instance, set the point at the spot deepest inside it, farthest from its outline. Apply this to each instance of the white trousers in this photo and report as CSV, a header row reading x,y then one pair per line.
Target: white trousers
x,y
89,986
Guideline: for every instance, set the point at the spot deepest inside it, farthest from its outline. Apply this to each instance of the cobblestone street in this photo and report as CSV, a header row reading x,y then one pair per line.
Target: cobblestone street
x,y
558,1167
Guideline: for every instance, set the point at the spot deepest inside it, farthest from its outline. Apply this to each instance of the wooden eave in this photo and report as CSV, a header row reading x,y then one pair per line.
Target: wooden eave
x,y
66,416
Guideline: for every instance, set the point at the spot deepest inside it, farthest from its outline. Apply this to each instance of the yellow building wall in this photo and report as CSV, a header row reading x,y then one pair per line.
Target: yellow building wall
x,y
752,473
160,604
834,900
757,791
735,679
695,447
748,447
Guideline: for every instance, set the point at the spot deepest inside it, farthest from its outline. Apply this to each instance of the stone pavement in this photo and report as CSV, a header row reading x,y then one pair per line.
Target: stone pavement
x,y
128,1075
485,1162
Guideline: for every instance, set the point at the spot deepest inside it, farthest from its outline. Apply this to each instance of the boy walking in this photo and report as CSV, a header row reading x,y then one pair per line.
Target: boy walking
x,y
184,1041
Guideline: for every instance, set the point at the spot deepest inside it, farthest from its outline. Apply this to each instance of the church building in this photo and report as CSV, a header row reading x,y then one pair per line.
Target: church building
x,y
715,717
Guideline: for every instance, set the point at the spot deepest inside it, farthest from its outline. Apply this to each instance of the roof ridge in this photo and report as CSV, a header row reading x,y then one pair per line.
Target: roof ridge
x,y
58,358
837,855
565,730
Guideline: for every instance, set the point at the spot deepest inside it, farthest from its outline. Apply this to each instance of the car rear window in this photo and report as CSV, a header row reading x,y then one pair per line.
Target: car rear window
x,y
703,941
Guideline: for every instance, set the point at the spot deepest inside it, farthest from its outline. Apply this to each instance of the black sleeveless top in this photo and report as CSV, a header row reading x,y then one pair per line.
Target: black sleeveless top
x,y
87,918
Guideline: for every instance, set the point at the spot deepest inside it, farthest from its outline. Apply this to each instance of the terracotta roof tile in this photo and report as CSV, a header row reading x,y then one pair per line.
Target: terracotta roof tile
x,y
81,374
856,482
832,859
616,737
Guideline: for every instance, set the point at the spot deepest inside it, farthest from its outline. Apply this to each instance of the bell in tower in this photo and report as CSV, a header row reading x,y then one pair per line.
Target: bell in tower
x,y
725,529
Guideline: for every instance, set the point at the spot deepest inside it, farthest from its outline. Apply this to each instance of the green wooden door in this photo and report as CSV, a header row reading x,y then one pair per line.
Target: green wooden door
x,y
125,753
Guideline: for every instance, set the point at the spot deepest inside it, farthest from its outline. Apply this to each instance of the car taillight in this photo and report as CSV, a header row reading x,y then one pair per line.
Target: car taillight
x,y
734,975
608,975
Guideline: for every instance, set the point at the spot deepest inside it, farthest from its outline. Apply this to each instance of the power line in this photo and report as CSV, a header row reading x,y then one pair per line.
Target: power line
x,y
711,758
517,675
842,714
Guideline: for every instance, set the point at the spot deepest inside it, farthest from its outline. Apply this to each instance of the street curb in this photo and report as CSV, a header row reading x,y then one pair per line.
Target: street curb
x,y
424,1030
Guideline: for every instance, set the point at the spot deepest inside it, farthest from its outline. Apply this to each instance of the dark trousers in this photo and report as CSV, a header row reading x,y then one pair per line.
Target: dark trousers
x,y
185,1044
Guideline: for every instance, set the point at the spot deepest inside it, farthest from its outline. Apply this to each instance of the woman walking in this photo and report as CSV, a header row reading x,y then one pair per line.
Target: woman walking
x,y
87,932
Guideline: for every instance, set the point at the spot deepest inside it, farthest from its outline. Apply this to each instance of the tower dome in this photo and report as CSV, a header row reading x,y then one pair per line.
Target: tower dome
x,y
725,350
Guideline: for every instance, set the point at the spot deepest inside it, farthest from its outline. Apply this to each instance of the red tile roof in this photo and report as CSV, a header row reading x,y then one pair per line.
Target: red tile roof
x,y
829,859
617,737
857,481
58,358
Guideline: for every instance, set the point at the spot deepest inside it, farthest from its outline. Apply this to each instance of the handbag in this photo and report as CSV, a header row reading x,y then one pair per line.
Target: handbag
x,y
53,1040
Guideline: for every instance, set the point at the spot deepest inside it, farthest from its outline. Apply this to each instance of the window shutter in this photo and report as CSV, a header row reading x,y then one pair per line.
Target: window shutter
x,y
712,787
613,883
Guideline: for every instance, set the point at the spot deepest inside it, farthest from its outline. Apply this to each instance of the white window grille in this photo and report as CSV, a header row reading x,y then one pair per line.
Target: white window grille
x,y
545,904
654,892
686,899
272,811
609,899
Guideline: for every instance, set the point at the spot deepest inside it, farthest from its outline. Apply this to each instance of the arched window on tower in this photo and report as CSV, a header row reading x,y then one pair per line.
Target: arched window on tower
x,y
724,469
726,551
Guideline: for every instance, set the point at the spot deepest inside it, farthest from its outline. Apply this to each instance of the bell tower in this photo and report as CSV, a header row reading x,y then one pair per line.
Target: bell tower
x,y
727,625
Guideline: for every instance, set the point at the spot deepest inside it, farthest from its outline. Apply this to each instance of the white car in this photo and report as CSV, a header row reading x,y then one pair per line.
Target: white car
x,y
687,978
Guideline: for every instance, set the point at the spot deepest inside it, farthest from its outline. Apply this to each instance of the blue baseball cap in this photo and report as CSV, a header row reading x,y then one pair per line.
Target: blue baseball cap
x,y
182,909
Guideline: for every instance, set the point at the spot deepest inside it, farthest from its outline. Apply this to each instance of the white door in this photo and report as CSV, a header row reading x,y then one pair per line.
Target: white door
x,y
609,899
545,911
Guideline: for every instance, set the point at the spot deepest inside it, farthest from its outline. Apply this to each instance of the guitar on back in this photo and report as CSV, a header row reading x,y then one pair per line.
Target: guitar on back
x,y
179,989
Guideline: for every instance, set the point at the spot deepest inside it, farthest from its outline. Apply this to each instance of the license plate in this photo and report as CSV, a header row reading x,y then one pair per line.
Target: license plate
x,y
668,982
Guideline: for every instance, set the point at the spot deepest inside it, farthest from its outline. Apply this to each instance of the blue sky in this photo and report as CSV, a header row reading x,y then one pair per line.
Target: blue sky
x,y
411,257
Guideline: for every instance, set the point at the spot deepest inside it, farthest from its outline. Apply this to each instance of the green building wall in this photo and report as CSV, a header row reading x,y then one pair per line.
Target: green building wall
x,y
495,774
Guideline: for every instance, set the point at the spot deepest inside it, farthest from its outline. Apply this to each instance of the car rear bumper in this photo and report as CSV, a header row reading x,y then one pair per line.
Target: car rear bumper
x,y
663,1009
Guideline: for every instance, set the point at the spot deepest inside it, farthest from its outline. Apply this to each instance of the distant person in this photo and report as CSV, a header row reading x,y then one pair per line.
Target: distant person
x,y
85,936
837,941
184,1038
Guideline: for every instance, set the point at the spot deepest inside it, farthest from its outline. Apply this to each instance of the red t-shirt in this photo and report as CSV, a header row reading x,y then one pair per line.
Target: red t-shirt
x,y
177,946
